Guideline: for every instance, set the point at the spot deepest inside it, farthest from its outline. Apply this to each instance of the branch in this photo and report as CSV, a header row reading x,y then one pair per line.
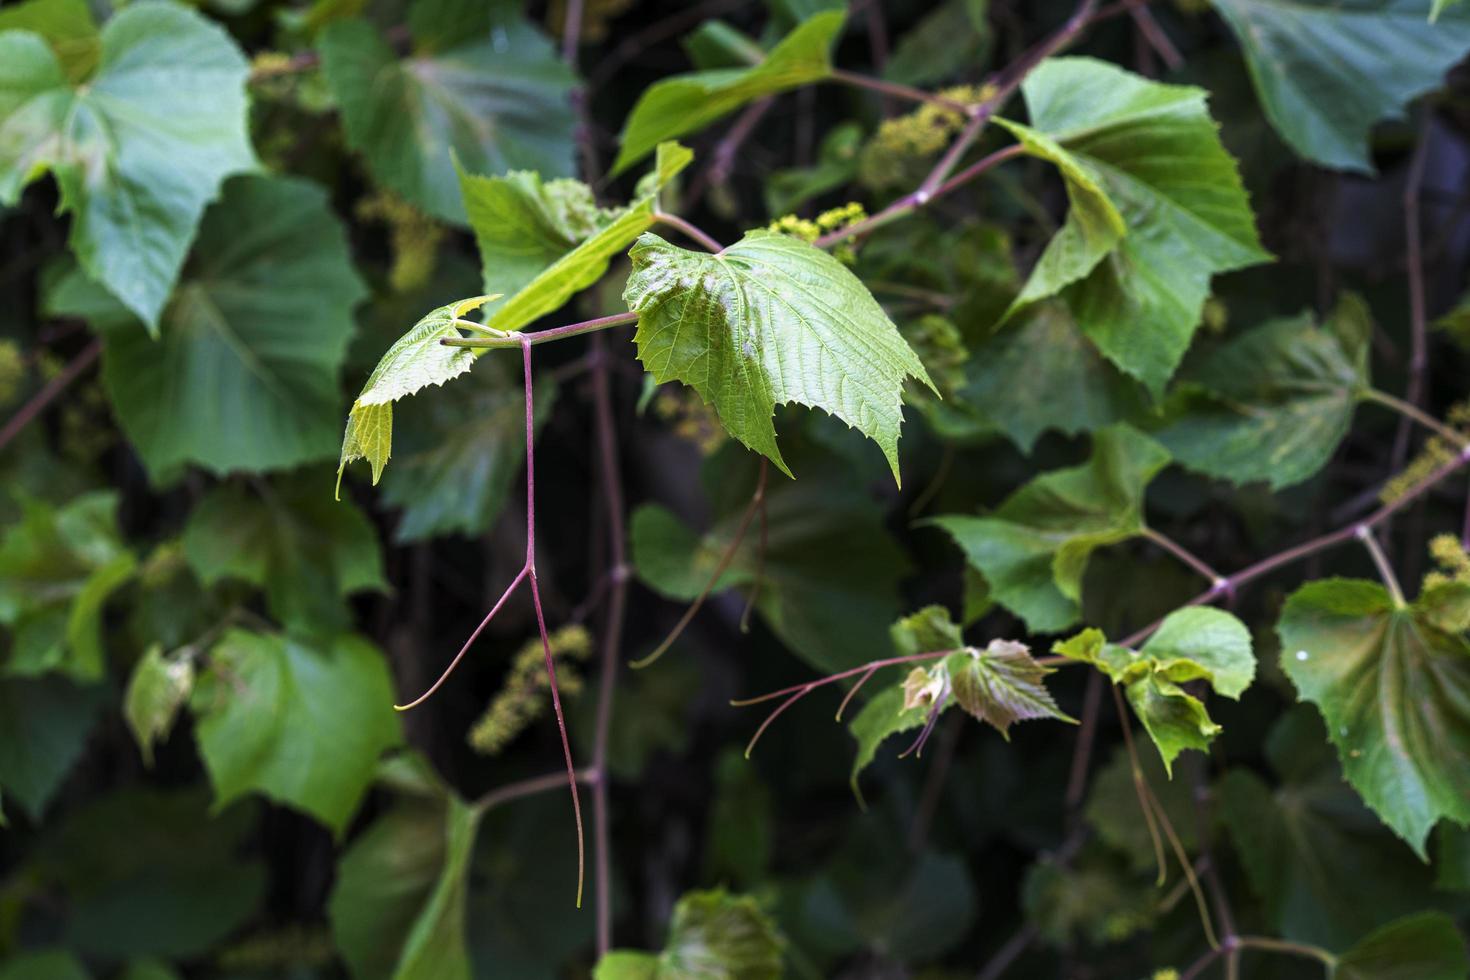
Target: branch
x,y
690,230
538,337
41,399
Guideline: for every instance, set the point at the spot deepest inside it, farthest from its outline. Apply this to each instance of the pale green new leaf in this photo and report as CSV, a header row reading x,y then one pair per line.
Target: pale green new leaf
x,y
496,98
157,690
307,552
1273,404
1154,153
930,630
414,362
58,566
1394,689
245,376
303,725
1195,643
687,103
714,936
540,244
1033,549
1001,685
1327,70
137,151
770,320
1427,946
883,716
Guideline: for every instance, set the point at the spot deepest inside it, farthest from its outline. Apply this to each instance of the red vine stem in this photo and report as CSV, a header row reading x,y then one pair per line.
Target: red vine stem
x,y
41,399
689,229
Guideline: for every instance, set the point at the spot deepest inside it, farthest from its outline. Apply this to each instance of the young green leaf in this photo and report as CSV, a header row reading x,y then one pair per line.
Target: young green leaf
x,y
1001,685
770,320
1150,153
252,342
157,690
713,934
497,98
687,103
540,244
883,716
1394,689
1427,946
1034,549
1309,59
58,567
1273,404
307,552
137,151
1195,643
303,725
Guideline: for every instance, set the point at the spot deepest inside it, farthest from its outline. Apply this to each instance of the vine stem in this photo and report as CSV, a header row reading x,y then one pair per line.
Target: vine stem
x,y
689,229
1183,554
906,92
1412,412
1380,561
27,413
537,337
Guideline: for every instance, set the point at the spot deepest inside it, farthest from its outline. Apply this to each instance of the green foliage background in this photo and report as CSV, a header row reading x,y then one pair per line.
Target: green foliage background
x,y
1095,369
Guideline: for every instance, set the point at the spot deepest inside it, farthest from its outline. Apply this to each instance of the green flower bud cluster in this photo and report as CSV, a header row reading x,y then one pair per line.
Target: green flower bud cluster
x,y
524,697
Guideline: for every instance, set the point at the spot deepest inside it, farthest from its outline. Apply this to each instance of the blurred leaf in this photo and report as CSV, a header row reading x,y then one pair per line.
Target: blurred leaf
x,y
137,151
837,160
1274,404
53,964
684,104
714,935
946,42
67,25
1152,152
541,244
1034,549
1309,60
740,834
496,98
308,552
304,726
157,690
44,725
1427,946
252,341
1114,810
770,320
58,567
1097,898
1394,689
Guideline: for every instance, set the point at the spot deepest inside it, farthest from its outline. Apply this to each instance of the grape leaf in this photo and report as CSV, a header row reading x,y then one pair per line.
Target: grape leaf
x,y
1394,689
398,907
252,341
1274,403
1154,153
495,98
683,104
540,244
1034,549
1309,58
1427,946
944,43
829,585
307,552
770,320
58,567
156,691
459,458
303,725
50,964
883,716
713,934
1194,643
138,151
414,362
44,725
68,27
1001,685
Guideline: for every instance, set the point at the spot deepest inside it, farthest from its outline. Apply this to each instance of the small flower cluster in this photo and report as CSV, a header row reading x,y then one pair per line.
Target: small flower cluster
x,y
689,417
523,699
900,142
1454,562
1437,452
413,236
833,219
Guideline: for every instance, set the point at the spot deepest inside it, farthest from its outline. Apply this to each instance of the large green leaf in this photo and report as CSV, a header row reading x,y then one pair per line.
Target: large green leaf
x,y
714,936
58,567
306,551
687,103
1152,152
1394,689
138,150
829,585
1427,946
43,728
541,243
303,725
1307,843
1192,644
490,92
1327,70
67,25
1034,549
1273,404
770,320
245,376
